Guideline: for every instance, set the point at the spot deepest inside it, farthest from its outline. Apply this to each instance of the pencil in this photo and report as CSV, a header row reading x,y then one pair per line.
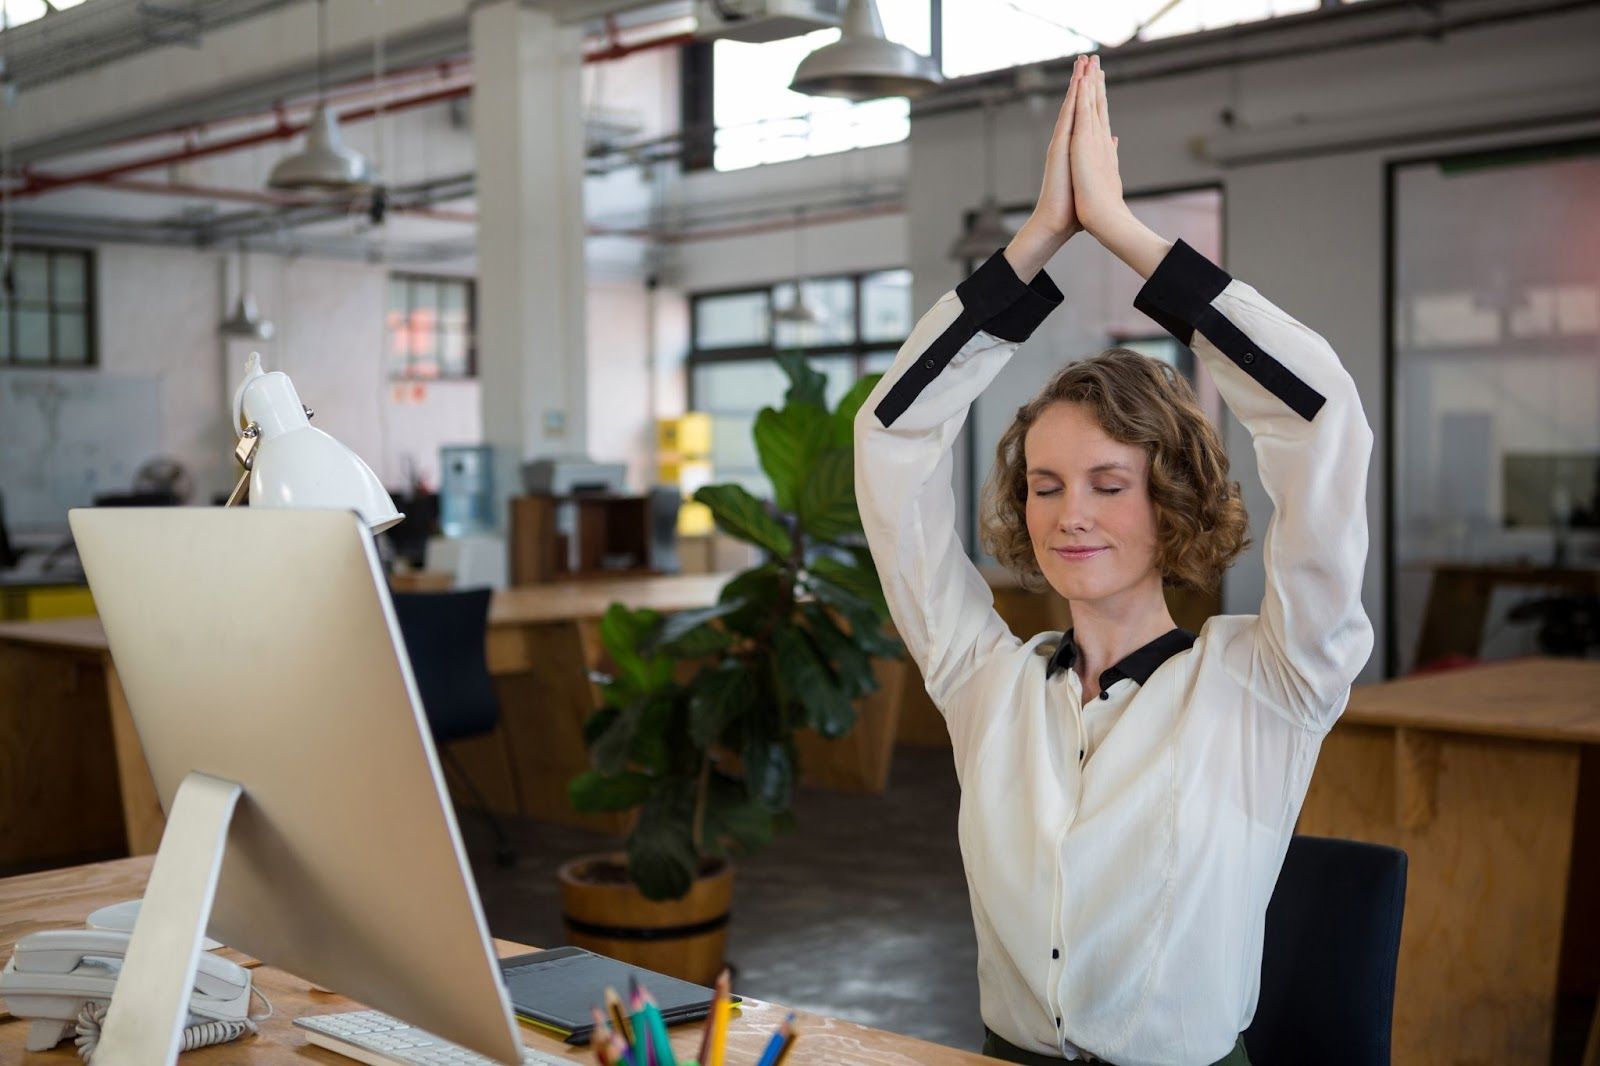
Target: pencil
x,y
775,1046
619,1020
783,1052
721,993
719,1032
599,1039
658,1029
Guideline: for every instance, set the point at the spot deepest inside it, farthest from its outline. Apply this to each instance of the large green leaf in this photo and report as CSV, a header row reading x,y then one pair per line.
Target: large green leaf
x,y
810,681
754,594
648,748
608,751
689,634
827,500
661,855
850,662
843,419
625,635
787,442
806,384
741,515
720,694
769,770
734,823
596,793
859,582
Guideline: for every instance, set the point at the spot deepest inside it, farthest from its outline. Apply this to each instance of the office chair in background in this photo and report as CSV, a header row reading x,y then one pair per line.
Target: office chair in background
x,y
444,634
1329,954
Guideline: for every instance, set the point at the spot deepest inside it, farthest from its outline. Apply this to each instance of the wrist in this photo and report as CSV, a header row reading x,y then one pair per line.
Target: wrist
x,y
1034,245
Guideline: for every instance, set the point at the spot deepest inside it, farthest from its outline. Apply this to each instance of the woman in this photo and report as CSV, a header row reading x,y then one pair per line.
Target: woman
x,y
1128,788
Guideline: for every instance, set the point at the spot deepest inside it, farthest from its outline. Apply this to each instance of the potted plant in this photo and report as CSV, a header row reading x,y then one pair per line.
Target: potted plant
x,y
696,735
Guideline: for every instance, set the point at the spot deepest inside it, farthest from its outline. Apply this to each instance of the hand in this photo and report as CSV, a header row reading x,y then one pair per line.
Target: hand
x,y
1096,179
1054,212
1055,217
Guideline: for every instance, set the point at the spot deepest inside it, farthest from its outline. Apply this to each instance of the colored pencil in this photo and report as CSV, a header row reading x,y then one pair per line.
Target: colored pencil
x,y
721,993
658,1029
619,1019
787,1044
719,1032
775,1046
600,1039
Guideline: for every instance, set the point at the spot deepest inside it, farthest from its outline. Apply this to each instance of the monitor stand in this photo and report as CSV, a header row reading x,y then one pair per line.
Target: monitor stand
x,y
145,1021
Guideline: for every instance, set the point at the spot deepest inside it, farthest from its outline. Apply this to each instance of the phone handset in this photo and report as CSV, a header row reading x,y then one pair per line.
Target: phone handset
x,y
62,980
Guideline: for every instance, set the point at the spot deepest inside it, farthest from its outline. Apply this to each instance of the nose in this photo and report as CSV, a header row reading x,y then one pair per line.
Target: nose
x,y
1074,516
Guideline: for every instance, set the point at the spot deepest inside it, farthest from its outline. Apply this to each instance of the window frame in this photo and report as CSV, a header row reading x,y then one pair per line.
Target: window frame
x,y
91,359
415,277
858,349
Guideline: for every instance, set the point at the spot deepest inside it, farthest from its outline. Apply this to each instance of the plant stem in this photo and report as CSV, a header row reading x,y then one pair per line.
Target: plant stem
x,y
700,798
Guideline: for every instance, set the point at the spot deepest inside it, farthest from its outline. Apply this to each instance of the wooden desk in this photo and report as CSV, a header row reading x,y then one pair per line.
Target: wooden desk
x,y
1489,779
64,898
62,709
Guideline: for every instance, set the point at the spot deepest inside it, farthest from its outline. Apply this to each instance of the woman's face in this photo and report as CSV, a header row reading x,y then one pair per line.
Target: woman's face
x,y
1090,516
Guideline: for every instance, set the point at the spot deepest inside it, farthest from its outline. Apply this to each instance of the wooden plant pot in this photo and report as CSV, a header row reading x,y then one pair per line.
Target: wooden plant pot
x,y
606,914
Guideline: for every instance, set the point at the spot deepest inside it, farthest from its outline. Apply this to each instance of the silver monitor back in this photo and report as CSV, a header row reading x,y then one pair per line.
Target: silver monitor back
x,y
260,646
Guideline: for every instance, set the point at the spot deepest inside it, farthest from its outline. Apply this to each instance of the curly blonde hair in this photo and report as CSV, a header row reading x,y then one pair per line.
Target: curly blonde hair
x,y
1200,517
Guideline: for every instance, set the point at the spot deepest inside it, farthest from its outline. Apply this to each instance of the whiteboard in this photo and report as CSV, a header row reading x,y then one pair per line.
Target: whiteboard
x,y
66,437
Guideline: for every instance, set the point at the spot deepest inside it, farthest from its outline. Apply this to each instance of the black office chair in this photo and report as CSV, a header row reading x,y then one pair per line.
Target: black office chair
x,y
444,634
1329,954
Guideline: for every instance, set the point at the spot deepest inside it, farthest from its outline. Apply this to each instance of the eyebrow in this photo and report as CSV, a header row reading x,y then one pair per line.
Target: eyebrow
x,y
1098,469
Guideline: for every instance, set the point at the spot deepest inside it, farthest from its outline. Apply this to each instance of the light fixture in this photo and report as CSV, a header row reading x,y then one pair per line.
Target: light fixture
x,y
987,230
799,312
290,463
325,163
863,64
246,320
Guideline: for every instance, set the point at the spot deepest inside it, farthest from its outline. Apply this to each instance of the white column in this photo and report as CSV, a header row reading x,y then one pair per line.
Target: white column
x,y
528,132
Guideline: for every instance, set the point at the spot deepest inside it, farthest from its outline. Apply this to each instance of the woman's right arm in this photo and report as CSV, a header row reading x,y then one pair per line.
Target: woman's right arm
x,y
941,605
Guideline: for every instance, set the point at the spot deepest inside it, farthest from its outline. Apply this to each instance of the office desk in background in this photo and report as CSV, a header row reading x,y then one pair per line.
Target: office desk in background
x,y
64,898
1489,778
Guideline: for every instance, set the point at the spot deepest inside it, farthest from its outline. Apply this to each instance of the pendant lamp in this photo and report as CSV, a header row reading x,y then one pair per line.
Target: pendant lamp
x,y
863,64
326,163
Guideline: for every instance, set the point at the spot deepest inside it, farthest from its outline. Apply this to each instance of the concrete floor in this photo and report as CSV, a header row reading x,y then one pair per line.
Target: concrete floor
x,y
860,913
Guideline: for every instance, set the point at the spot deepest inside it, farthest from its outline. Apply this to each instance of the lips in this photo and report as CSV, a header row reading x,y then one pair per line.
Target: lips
x,y
1079,554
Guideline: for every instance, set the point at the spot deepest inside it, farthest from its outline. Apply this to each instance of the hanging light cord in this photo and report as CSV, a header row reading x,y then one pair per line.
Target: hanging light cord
x,y
322,47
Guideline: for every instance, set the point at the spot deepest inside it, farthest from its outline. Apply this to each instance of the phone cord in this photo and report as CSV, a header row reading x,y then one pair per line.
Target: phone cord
x,y
93,1016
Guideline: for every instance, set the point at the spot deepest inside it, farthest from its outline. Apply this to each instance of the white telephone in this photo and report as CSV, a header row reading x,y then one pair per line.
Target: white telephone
x,y
61,980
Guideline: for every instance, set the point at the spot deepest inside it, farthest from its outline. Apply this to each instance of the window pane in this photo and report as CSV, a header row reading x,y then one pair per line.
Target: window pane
x,y
734,321
740,387
453,304
982,35
5,331
453,352
877,362
70,279
886,306
1496,456
72,337
832,300
31,271
33,335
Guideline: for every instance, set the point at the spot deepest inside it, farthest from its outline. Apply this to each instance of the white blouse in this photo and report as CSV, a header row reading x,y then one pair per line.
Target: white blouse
x,y
1119,901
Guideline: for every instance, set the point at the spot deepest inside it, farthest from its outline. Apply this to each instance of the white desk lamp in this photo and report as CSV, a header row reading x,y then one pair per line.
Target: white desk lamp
x,y
288,462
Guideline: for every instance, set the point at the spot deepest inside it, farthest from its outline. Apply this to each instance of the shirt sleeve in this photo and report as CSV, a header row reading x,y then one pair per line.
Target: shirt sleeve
x,y
1312,445
941,605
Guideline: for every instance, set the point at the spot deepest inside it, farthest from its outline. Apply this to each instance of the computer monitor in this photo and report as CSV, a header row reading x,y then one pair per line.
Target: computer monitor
x,y
260,647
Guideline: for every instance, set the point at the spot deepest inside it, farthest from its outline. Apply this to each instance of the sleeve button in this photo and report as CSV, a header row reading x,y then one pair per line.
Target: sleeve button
x,y
1249,357
928,363
1055,953
1105,695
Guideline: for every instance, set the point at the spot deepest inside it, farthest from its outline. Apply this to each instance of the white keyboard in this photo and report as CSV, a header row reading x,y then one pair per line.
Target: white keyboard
x,y
373,1037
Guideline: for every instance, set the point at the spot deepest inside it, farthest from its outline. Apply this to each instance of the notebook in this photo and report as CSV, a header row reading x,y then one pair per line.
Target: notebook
x,y
557,990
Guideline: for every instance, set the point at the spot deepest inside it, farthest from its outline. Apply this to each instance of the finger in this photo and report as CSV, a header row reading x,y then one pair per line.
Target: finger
x,y
1085,108
1105,103
1069,105
1100,111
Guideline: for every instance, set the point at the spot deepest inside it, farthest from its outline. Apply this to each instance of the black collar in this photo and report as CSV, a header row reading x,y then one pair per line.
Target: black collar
x,y
1138,664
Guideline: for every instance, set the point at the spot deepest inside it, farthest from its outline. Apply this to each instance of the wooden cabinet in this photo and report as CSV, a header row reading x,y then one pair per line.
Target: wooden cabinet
x,y
610,536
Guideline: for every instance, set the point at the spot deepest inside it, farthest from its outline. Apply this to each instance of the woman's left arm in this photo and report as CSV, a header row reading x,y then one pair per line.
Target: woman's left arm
x,y
1304,415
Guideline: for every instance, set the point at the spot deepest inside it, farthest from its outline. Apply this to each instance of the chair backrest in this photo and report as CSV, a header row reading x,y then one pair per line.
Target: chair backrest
x,y
444,634
1329,954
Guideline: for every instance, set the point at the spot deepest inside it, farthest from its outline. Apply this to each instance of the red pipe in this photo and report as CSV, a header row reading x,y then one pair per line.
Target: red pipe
x,y
37,182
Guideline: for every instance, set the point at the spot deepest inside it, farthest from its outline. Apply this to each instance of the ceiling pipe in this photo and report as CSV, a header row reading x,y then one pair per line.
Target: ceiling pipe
x,y
36,183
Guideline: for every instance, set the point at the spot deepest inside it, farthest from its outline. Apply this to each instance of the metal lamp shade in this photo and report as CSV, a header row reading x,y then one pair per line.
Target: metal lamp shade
x,y
325,162
246,320
987,233
297,465
863,64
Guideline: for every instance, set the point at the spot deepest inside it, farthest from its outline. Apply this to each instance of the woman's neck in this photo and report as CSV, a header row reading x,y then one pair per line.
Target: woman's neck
x,y
1107,630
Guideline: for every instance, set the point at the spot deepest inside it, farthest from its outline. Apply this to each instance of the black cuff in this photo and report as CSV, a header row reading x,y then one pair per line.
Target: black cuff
x,y
1002,305
1178,298
1180,291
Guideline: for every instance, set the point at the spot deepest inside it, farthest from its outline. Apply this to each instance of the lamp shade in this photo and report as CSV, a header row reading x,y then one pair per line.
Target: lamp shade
x,y
297,465
864,64
325,162
987,232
